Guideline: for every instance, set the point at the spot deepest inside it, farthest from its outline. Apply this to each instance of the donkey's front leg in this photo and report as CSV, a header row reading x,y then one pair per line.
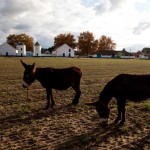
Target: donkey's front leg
x,y
123,115
48,98
52,100
119,111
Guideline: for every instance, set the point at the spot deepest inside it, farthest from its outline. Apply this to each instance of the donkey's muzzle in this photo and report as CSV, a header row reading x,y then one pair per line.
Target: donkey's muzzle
x,y
25,85
104,120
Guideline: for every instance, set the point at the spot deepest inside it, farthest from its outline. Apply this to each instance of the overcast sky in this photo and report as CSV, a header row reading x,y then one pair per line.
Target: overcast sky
x,y
127,22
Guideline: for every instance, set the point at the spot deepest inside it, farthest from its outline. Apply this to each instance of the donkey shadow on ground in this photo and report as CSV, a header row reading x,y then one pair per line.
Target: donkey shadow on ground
x,y
98,135
26,117
101,134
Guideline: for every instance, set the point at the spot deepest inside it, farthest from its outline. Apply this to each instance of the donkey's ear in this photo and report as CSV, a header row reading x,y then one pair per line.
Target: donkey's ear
x,y
23,64
33,64
93,104
34,67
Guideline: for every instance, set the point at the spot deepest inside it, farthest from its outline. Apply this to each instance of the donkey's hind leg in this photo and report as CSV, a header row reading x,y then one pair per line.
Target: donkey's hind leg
x,y
76,87
77,96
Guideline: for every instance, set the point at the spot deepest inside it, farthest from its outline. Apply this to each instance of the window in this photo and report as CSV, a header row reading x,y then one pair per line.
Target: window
x,y
69,50
21,49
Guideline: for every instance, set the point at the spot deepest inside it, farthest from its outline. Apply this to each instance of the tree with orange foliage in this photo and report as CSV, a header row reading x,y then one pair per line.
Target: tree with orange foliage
x,y
106,43
65,39
15,39
87,43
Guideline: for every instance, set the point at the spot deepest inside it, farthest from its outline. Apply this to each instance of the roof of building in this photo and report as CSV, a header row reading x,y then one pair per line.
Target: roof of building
x,y
62,46
106,52
37,44
20,43
124,53
140,53
6,46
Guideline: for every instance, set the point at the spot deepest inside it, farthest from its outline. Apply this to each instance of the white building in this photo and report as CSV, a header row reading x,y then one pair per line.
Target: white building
x,y
64,51
7,50
37,49
21,49
143,56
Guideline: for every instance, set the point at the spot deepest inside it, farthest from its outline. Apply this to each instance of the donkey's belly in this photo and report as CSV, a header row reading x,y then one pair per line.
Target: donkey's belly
x,y
139,96
60,87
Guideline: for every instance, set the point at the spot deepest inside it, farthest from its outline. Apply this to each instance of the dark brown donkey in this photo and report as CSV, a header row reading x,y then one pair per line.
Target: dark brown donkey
x,y
51,78
124,86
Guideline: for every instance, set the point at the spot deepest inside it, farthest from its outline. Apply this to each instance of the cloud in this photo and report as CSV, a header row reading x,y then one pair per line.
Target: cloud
x,y
14,7
35,17
22,27
45,19
141,27
45,40
107,5
135,47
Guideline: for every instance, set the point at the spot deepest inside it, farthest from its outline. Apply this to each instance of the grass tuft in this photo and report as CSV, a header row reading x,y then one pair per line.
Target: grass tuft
x,y
147,107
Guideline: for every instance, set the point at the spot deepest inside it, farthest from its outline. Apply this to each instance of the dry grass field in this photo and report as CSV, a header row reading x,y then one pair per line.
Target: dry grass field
x,y
25,125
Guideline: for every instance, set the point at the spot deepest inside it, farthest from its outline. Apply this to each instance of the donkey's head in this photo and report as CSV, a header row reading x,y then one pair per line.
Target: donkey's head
x,y
29,74
103,111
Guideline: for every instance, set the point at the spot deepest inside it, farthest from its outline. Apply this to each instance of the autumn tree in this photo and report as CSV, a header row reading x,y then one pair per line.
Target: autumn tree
x,y
15,39
87,43
106,43
65,39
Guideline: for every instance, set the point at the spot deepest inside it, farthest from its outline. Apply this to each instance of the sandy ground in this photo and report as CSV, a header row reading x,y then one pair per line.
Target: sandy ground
x,y
68,127
24,125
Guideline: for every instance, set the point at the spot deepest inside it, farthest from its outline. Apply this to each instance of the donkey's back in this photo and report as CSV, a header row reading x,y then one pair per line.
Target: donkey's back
x,y
62,79
59,79
133,87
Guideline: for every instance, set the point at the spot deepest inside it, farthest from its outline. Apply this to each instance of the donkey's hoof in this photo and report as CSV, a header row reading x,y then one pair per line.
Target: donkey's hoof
x,y
121,123
46,108
116,121
52,105
75,103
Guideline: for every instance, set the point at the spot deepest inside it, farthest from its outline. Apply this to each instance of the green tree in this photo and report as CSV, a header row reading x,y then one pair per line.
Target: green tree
x,y
146,50
87,43
15,39
106,43
65,39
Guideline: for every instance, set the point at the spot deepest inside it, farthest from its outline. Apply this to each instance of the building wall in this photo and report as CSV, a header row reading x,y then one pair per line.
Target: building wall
x,y
7,50
127,57
143,57
36,50
48,55
21,50
64,51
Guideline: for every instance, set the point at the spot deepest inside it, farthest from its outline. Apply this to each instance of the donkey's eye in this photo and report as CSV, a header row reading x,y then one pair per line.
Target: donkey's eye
x,y
27,75
100,112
